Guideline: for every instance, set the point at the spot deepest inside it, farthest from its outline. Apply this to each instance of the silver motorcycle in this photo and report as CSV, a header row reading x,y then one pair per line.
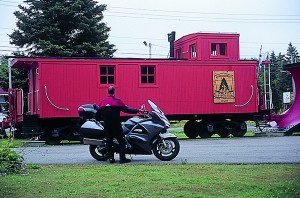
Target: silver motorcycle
x,y
145,135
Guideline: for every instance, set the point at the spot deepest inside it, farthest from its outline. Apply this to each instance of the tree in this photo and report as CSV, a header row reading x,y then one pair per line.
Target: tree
x,y
292,55
19,76
281,81
62,28
3,74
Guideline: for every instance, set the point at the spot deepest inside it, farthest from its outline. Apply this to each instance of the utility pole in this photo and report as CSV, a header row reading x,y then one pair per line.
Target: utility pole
x,y
9,73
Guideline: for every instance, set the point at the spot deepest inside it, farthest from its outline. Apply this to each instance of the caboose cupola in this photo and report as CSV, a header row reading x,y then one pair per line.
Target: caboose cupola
x,y
208,46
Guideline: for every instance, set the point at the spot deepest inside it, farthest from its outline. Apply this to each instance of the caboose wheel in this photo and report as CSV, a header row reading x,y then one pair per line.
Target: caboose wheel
x,y
240,129
205,130
222,132
223,128
190,129
50,138
53,140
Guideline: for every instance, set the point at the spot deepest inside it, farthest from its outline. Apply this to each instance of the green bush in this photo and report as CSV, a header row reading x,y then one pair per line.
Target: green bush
x,y
10,161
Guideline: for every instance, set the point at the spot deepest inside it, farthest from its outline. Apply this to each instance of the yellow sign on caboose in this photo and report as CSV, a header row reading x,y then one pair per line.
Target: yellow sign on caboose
x,y
223,82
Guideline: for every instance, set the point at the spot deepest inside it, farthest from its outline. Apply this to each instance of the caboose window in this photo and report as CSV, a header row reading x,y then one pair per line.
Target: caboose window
x,y
218,49
107,75
213,51
193,51
148,74
222,49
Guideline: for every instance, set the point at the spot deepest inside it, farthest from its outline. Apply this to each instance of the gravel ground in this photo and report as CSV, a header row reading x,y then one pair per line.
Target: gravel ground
x,y
246,150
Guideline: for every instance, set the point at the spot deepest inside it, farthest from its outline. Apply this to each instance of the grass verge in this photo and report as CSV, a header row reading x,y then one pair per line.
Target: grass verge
x,y
184,180
180,135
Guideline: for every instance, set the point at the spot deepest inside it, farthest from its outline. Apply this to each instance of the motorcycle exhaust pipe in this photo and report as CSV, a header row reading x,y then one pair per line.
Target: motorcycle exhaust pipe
x,y
89,141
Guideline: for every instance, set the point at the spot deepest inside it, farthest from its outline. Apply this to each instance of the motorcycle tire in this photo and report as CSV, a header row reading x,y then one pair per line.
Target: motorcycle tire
x,y
168,151
99,152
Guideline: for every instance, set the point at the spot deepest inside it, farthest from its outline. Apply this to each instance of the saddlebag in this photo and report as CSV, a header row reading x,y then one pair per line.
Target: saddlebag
x,y
92,129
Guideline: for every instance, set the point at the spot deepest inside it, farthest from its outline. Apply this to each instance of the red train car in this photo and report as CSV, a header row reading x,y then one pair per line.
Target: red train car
x,y
205,83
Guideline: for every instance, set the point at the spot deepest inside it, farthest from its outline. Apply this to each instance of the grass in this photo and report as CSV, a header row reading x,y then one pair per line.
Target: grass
x,y
180,180
180,135
184,180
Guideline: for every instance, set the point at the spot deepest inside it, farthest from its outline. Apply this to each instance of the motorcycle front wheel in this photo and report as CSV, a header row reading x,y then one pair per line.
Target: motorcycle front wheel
x,y
166,149
99,152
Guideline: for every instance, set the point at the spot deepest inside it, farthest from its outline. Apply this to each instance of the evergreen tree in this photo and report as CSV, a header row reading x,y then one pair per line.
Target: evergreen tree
x,y
283,80
3,74
62,28
19,76
292,55
274,68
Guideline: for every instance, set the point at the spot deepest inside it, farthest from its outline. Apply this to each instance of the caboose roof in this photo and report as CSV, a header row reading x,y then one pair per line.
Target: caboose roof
x,y
208,34
27,62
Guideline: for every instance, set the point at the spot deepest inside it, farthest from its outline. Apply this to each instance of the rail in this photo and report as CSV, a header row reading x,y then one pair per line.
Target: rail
x,y
242,105
61,108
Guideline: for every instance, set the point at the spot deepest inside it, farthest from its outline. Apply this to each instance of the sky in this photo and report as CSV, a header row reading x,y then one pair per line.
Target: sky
x,y
272,24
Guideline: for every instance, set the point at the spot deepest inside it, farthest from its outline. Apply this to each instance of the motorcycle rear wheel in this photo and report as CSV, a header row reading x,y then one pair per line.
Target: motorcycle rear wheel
x,y
167,151
99,152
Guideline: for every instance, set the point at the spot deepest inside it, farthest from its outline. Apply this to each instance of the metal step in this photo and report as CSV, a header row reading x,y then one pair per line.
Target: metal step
x,y
31,125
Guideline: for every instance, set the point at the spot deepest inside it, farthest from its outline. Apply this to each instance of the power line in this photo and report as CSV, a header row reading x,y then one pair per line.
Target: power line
x,y
10,1
200,17
207,20
141,38
8,46
7,50
141,54
268,43
180,11
190,12
196,18
163,16
8,5
128,37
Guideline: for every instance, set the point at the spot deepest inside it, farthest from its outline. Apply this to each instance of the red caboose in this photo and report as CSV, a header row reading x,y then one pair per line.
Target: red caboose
x,y
204,81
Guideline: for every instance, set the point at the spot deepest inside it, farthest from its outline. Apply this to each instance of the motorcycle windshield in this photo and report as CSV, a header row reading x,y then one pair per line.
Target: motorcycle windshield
x,y
159,113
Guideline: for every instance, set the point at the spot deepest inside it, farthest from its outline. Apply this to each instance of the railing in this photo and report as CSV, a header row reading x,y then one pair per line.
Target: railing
x,y
35,102
267,87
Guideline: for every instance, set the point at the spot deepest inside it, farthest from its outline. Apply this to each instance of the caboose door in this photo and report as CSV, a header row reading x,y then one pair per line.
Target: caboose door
x,y
33,94
15,98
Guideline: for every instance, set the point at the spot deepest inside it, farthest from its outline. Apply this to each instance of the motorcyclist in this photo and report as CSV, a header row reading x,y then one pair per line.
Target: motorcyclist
x,y
109,109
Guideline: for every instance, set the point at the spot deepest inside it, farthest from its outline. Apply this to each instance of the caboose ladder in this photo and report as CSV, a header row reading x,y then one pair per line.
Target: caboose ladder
x,y
267,87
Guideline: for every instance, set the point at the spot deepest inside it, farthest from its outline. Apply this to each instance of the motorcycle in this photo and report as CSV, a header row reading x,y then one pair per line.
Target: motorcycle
x,y
144,135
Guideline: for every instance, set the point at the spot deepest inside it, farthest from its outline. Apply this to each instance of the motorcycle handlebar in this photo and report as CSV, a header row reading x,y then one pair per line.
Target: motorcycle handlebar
x,y
144,111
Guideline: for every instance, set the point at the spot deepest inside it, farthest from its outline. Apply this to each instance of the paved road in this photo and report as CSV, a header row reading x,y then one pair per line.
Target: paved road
x,y
254,150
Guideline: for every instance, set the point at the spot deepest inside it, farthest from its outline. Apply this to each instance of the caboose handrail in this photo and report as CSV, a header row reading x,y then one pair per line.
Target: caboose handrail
x,y
61,108
242,105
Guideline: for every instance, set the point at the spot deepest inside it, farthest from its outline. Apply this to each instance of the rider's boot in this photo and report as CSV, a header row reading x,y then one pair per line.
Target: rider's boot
x,y
111,157
123,158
